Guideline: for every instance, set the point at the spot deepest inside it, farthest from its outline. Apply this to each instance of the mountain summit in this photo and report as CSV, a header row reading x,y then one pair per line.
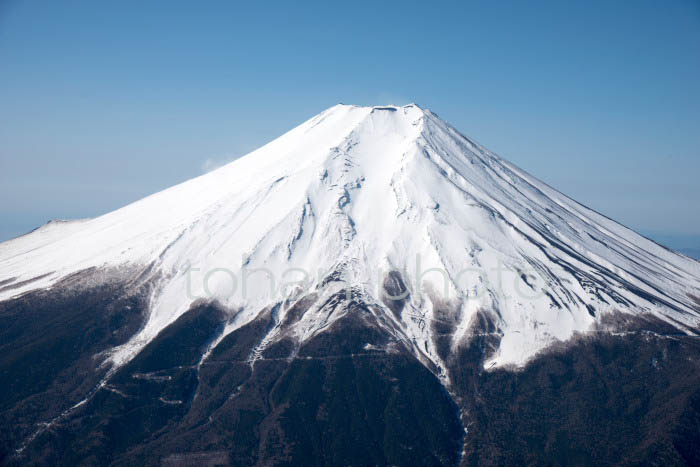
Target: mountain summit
x,y
364,232
365,192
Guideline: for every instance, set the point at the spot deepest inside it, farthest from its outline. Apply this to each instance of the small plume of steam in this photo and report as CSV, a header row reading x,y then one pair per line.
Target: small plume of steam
x,y
211,163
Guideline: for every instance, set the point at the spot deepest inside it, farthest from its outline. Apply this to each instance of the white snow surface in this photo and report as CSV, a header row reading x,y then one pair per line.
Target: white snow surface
x,y
367,190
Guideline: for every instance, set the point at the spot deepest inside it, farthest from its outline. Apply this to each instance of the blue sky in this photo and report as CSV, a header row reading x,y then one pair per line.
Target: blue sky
x,y
102,103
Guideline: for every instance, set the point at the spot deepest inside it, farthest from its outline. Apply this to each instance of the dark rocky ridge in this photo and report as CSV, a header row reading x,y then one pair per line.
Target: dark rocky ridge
x,y
601,399
50,345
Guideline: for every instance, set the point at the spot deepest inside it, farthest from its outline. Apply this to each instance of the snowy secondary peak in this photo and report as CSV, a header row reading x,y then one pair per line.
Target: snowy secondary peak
x,y
370,196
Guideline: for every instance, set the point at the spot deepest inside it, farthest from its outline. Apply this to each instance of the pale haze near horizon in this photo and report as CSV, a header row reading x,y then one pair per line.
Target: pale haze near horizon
x,y
101,105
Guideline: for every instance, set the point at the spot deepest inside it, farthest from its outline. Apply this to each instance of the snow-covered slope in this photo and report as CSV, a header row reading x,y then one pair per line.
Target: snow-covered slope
x,y
362,191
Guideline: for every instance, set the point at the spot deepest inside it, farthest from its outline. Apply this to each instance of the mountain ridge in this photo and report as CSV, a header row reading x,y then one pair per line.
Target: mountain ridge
x,y
371,288
348,190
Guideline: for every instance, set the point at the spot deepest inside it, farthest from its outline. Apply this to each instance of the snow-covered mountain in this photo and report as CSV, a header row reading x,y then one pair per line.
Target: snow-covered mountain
x,y
371,193
371,288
